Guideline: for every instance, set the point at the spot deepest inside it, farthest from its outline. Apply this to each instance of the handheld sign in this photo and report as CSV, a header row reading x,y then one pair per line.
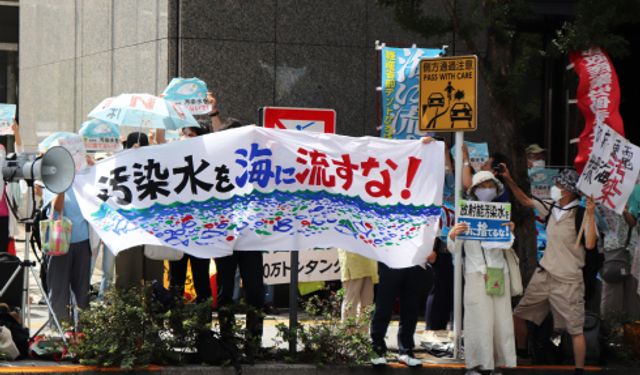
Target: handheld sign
x,y
190,93
612,170
100,136
7,115
486,221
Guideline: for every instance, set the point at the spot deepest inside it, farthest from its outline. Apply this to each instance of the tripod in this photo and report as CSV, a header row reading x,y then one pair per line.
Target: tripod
x,y
25,312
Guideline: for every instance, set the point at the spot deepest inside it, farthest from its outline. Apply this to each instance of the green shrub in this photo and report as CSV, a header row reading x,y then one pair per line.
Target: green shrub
x,y
130,329
326,339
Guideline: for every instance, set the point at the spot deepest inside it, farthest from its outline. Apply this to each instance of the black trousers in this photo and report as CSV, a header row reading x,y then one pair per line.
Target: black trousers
x,y
199,271
440,300
250,264
407,284
4,234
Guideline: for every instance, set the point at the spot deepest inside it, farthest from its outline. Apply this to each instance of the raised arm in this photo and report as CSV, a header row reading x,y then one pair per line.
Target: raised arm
x,y
518,193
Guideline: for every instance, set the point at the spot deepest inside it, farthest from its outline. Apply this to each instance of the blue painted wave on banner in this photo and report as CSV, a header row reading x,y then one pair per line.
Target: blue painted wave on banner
x,y
303,213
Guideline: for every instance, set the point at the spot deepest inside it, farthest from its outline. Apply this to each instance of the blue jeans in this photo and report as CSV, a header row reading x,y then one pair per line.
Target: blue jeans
x,y
108,269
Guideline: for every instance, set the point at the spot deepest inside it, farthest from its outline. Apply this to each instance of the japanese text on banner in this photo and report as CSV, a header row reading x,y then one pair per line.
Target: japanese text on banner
x,y
400,91
611,172
263,189
313,265
486,221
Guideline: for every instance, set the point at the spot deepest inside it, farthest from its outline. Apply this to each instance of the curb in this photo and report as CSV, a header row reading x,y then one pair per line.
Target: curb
x,y
286,369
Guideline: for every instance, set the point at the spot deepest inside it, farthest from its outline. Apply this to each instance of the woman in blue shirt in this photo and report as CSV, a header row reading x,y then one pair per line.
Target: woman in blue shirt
x,y
69,273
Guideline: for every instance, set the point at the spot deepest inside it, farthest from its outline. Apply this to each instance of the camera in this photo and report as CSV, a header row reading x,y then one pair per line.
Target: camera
x,y
497,167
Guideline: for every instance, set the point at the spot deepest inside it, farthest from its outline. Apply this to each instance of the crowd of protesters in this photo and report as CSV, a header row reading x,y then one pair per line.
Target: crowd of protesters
x,y
493,323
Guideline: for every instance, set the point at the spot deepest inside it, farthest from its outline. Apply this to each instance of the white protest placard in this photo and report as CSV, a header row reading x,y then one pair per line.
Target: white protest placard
x,y
486,220
263,189
7,116
191,93
313,265
612,170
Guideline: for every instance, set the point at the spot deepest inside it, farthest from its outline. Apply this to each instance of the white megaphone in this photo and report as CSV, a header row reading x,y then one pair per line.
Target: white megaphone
x,y
56,169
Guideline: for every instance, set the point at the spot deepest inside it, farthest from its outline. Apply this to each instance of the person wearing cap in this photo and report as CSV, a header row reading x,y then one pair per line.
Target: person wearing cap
x,y
535,156
488,324
558,284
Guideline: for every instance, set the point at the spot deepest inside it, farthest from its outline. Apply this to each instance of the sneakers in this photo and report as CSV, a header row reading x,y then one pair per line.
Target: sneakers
x,y
379,361
409,360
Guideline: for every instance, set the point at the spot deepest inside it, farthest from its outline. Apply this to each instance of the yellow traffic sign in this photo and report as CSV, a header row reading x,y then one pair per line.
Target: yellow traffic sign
x,y
448,87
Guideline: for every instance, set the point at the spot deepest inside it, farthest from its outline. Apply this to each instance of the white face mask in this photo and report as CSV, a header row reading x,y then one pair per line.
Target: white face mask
x,y
486,194
538,164
556,193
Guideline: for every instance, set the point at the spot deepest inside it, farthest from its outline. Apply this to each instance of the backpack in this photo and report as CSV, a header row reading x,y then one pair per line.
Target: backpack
x,y
19,333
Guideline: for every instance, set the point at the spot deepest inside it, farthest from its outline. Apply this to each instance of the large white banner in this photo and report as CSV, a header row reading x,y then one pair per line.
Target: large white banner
x,y
612,169
263,189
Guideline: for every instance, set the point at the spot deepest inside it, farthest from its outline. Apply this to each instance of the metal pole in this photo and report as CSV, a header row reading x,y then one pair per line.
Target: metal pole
x,y
293,304
26,304
457,270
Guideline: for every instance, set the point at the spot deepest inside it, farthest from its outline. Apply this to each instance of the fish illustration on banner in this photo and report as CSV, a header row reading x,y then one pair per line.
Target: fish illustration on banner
x,y
264,189
100,136
400,91
190,92
7,116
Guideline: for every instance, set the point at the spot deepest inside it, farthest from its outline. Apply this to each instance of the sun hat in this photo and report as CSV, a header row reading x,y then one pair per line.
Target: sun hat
x,y
484,176
567,178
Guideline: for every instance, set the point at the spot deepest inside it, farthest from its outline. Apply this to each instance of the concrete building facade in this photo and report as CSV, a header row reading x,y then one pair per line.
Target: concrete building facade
x,y
301,53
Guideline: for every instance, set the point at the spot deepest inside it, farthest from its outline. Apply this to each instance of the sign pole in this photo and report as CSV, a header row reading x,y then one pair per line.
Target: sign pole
x,y
293,304
457,264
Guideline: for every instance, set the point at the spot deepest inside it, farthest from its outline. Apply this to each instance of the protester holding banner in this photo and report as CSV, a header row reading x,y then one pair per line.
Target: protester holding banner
x,y
132,266
199,266
358,275
558,283
407,284
488,327
69,272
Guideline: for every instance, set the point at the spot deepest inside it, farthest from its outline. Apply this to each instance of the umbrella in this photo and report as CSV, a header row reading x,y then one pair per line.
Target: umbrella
x,y
143,111
99,135
72,142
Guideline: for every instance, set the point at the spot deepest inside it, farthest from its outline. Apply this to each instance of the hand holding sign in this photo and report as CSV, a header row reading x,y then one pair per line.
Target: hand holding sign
x,y
458,229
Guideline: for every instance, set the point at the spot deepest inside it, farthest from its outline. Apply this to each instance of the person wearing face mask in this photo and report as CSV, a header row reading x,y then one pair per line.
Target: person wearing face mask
x,y
535,156
557,284
489,333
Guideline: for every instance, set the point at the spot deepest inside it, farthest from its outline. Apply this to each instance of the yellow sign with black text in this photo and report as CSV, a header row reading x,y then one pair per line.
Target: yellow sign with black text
x,y
448,87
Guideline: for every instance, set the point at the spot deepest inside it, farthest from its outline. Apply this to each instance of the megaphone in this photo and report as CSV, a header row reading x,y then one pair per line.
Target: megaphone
x,y
56,169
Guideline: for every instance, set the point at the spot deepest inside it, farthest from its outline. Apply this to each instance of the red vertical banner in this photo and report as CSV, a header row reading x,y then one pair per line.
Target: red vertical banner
x,y
598,96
